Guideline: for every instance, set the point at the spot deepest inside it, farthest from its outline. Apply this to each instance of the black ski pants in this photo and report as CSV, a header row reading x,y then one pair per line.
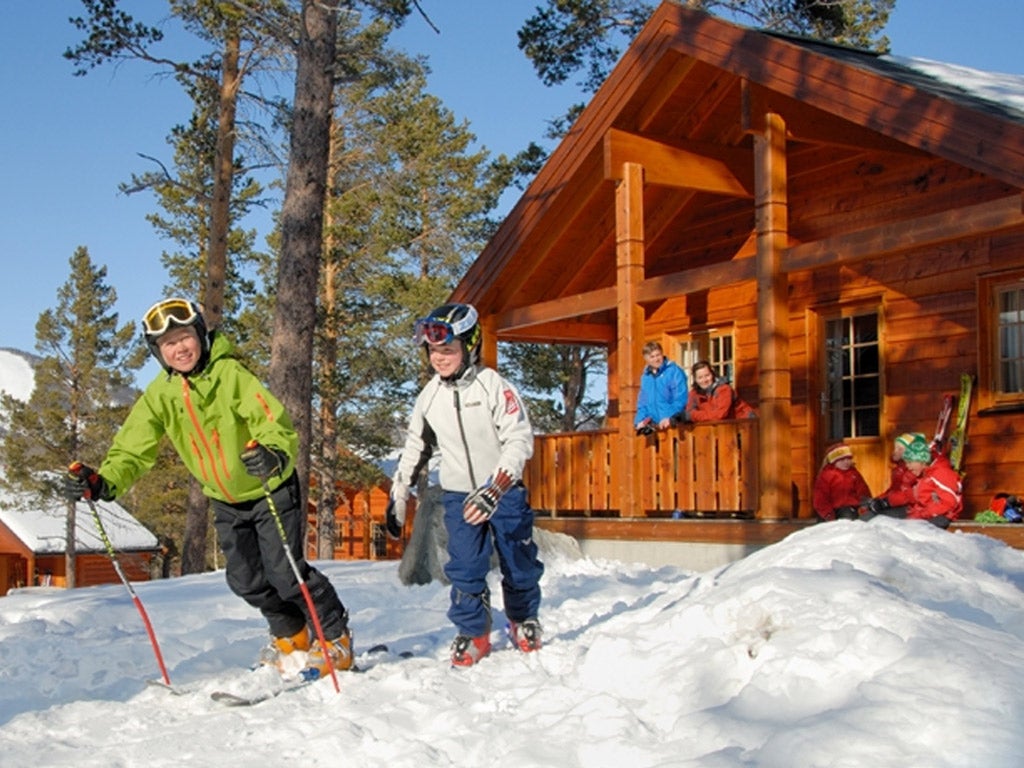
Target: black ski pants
x,y
258,570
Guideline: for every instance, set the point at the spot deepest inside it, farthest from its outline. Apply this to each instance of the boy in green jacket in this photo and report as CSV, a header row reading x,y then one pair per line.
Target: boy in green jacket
x,y
232,434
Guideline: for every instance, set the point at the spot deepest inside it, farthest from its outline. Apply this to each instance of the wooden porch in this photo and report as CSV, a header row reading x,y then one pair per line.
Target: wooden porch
x,y
699,485
702,470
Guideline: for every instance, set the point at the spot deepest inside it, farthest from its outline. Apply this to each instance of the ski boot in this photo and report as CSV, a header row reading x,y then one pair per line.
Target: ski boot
x,y
525,634
340,654
286,654
467,651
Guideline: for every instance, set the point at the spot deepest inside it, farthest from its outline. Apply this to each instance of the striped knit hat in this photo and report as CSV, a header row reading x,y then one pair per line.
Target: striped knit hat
x,y
907,438
918,451
837,452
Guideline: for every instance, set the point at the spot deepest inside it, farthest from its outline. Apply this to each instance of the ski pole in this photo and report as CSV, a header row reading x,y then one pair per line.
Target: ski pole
x,y
128,585
303,587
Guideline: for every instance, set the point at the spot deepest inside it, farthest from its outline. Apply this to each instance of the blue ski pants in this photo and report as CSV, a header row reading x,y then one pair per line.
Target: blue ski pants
x,y
510,532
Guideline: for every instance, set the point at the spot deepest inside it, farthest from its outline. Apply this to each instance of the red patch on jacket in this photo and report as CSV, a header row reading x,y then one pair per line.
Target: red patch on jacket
x,y
511,402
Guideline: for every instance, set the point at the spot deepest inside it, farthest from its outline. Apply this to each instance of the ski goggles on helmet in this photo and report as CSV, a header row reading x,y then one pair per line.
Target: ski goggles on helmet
x,y
431,331
436,330
162,315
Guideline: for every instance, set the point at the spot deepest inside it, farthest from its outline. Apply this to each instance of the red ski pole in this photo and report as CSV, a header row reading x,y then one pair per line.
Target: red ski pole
x,y
128,585
298,576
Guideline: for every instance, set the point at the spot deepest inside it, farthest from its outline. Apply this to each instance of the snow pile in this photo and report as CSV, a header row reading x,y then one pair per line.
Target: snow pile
x,y
890,643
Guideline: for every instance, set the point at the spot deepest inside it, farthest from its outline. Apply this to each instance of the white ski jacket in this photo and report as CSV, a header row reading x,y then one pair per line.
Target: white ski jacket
x,y
479,424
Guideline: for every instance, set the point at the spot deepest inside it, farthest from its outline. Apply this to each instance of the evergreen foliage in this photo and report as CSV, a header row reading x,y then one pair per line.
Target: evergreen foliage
x,y
79,398
564,37
82,383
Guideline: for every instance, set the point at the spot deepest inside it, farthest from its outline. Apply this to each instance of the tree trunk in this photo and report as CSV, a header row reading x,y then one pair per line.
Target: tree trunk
x,y
291,364
70,552
223,182
326,524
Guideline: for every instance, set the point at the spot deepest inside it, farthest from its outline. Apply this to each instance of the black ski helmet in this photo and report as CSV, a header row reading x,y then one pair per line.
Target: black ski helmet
x,y
448,322
175,312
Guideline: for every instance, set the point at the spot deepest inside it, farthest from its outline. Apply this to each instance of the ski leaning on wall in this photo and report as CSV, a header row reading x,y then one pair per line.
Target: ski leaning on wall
x,y
958,437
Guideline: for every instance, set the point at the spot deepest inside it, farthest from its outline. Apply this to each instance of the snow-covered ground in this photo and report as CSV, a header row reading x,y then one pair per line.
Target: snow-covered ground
x,y
890,643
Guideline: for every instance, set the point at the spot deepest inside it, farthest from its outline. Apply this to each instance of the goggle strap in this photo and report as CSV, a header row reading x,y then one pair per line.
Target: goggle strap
x,y
161,315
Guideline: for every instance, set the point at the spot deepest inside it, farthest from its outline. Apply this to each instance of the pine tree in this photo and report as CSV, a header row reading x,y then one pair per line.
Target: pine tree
x,y
554,381
407,209
81,389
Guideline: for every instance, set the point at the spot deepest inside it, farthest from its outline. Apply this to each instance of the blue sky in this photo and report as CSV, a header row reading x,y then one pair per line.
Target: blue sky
x,y
70,141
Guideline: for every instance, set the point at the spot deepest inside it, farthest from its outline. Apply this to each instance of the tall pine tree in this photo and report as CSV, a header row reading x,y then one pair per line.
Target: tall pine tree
x,y
81,391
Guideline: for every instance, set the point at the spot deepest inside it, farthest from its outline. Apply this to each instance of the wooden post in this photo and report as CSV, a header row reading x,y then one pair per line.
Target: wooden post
x,y
775,461
489,343
629,259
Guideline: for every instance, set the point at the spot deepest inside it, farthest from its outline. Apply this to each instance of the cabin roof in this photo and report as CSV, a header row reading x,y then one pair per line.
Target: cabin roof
x,y
41,528
692,87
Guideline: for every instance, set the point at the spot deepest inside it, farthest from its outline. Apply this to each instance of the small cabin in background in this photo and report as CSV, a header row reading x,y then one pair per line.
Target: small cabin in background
x,y
840,233
360,523
33,538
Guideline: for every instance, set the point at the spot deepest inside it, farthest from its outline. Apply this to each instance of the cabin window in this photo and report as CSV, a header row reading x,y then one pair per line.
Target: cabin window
x,y
1010,340
851,401
714,345
1001,337
378,542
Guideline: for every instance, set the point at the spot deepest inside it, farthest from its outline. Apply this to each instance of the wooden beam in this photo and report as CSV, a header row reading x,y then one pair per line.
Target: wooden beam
x,y
558,309
690,165
562,333
874,242
775,459
699,279
811,125
488,347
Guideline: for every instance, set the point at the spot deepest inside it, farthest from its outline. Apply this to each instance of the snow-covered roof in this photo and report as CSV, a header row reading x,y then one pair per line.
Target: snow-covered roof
x,y
995,87
42,528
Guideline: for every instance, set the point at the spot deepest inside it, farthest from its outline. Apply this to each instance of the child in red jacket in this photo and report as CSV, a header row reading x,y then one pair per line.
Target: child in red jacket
x,y
839,489
901,480
937,494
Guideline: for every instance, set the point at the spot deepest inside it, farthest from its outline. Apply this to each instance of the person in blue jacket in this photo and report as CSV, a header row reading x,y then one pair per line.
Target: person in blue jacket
x,y
663,391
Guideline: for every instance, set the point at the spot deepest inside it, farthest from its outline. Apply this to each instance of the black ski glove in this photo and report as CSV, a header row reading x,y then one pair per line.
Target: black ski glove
x,y
876,506
82,480
262,461
394,517
846,513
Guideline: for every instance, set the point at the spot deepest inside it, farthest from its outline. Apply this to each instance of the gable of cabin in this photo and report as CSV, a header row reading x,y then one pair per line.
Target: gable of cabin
x,y
843,234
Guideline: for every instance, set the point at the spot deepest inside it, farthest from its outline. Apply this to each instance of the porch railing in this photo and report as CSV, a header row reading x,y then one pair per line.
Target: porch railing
x,y
705,469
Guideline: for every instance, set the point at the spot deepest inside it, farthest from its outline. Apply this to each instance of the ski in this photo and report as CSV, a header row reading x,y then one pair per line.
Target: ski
x,y
364,662
942,425
177,690
958,438
230,699
377,654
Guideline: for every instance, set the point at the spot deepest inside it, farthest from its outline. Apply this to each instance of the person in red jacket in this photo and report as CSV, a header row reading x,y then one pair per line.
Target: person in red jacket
x,y
938,492
839,489
901,479
712,398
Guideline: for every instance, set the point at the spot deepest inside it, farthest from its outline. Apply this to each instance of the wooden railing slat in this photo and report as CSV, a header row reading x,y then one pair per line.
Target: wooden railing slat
x,y
708,468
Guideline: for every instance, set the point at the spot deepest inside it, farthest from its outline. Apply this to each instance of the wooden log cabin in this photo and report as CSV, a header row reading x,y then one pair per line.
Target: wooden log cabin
x,y
33,545
839,232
